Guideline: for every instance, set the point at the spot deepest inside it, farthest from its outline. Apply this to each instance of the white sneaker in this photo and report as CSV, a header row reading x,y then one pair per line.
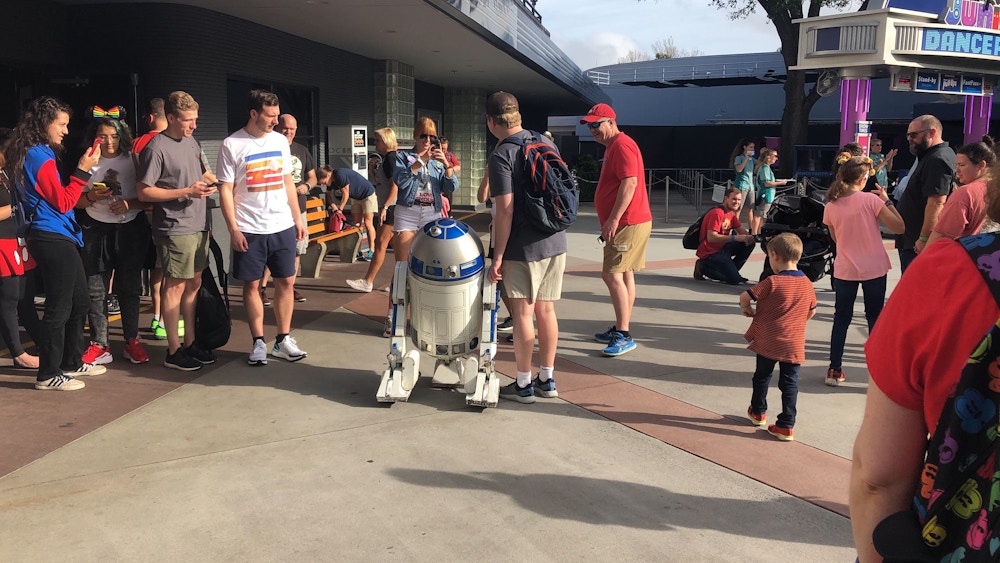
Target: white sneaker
x,y
387,331
258,357
288,350
60,383
87,369
363,286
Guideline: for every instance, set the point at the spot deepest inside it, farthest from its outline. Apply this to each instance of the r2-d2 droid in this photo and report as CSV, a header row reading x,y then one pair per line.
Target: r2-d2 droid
x,y
452,311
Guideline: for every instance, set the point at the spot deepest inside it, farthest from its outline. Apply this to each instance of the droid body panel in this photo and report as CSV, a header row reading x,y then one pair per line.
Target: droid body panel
x,y
442,288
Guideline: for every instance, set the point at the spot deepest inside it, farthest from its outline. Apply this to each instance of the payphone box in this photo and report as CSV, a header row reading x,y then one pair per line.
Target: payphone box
x,y
347,147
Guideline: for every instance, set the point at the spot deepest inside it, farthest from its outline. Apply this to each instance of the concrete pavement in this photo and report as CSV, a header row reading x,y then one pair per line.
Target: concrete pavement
x,y
643,457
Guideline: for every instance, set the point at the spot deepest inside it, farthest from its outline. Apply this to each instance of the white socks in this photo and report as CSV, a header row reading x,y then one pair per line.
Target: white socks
x,y
523,379
545,374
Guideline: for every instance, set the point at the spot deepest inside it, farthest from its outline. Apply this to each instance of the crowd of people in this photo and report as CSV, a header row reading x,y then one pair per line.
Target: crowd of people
x,y
925,456
134,204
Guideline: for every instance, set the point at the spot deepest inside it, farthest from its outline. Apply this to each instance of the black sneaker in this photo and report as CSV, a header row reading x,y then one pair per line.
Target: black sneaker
x,y
203,356
506,326
182,361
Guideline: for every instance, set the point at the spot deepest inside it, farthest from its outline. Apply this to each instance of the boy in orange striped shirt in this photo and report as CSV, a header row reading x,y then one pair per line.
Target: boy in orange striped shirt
x,y
785,302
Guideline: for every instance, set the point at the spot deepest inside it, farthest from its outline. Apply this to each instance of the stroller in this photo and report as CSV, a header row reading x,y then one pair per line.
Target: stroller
x,y
803,216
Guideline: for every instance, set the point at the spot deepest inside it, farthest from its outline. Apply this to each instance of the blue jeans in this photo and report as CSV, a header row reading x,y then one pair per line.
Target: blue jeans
x,y
846,292
725,264
788,383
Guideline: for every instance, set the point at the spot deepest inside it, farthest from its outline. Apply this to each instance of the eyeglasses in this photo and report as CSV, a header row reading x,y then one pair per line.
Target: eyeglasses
x,y
424,136
596,125
913,134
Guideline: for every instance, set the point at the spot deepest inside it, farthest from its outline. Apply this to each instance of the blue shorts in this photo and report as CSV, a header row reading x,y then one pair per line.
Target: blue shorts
x,y
276,251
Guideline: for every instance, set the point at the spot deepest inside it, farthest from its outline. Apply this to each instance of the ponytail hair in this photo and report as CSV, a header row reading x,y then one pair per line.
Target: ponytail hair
x,y
983,151
762,160
853,170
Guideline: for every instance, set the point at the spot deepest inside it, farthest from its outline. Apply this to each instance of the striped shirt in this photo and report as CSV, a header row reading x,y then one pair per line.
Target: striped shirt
x,y
778,330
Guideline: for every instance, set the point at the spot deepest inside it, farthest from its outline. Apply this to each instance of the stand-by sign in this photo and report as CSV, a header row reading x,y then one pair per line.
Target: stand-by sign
x,y
942,83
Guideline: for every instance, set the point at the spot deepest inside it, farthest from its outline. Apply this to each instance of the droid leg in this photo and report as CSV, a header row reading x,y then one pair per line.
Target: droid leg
x,y
483,390
401,376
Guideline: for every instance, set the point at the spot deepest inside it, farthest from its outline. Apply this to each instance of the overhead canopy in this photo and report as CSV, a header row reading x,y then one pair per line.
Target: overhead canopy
x,y
451,43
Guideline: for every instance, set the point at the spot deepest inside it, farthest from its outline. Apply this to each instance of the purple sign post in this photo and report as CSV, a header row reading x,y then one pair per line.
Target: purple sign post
x,y
854,98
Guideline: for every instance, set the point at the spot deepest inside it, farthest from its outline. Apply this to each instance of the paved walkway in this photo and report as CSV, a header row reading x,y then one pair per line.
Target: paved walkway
x,y
643,457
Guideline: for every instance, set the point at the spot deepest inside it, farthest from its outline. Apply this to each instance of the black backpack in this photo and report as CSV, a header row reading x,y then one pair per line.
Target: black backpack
x,y
955,515
22,222
212,323
692,237
550,194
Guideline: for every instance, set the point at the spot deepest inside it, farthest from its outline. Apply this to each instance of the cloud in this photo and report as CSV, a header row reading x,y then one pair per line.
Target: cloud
x,y
594,35
597,49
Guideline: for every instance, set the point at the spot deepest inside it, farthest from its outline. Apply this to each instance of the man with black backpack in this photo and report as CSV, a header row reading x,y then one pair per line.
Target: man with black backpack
x,y
529,258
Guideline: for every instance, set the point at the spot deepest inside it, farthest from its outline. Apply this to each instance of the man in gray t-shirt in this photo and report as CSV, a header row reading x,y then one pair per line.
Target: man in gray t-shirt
x,y
172,178
530,263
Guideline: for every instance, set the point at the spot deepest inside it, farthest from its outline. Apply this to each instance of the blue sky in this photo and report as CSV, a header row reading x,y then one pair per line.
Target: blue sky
x,y
597,32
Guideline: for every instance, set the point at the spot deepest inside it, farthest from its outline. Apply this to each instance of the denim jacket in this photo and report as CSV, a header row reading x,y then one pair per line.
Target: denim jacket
x,y
408,183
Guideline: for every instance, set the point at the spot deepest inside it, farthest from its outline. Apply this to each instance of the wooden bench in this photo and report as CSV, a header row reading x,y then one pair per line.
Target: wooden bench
x,y
348,241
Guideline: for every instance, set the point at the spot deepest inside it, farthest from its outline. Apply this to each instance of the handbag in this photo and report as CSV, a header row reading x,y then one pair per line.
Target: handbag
x,y
337,222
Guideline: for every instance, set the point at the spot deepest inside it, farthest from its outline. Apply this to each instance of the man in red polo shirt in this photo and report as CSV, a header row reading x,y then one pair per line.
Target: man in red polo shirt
x,y
626,222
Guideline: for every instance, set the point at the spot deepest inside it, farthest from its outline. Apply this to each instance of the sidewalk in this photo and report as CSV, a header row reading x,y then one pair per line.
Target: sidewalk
x,y
643,457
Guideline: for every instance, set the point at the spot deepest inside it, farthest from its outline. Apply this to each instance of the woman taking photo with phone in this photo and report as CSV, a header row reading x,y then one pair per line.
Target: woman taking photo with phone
x,y
54,238
422,176
852,216
742,162
116,237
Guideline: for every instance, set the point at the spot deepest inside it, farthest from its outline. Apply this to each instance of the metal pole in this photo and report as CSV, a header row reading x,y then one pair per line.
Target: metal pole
x,y
666,199
697,187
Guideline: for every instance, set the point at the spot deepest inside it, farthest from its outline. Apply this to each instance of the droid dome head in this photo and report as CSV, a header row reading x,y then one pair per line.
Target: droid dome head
x,y
446,250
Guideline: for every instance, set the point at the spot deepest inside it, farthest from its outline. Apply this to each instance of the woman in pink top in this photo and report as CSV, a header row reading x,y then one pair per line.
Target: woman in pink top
x,y
852,217
964,212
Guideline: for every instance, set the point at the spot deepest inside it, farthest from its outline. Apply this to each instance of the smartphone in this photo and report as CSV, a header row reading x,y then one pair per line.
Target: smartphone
x,y
99,187
97,143
215,185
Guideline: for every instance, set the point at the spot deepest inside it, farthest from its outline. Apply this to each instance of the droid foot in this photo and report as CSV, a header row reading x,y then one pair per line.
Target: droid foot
x,y
487,393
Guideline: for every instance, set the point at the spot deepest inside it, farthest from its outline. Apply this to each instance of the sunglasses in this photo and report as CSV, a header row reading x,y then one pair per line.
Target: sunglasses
x,y
424,136
596,124
914,134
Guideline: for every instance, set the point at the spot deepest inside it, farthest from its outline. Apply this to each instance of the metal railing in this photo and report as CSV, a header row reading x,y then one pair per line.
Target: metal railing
x,y
667,70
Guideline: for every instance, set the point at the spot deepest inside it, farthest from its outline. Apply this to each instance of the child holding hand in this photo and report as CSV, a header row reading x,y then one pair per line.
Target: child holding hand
x,y
785,302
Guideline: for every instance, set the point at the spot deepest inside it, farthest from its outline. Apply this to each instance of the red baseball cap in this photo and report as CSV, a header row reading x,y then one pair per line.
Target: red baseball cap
x,y
597,113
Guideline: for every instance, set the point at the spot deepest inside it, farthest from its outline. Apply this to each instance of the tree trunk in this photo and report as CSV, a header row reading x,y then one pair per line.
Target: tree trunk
x,y
795,119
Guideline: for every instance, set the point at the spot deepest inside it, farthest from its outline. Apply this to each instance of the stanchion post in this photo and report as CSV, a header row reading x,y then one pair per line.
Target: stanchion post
x,y
666,199
698,189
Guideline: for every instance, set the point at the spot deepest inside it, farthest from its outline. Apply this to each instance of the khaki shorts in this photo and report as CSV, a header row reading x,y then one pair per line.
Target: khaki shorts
x,y
367,205
534,281
627,252
183,256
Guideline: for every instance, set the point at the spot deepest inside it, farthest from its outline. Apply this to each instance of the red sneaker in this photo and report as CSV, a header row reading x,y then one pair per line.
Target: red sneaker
x,y
97,354
264,299
756,419
783,434
834,377
135,352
